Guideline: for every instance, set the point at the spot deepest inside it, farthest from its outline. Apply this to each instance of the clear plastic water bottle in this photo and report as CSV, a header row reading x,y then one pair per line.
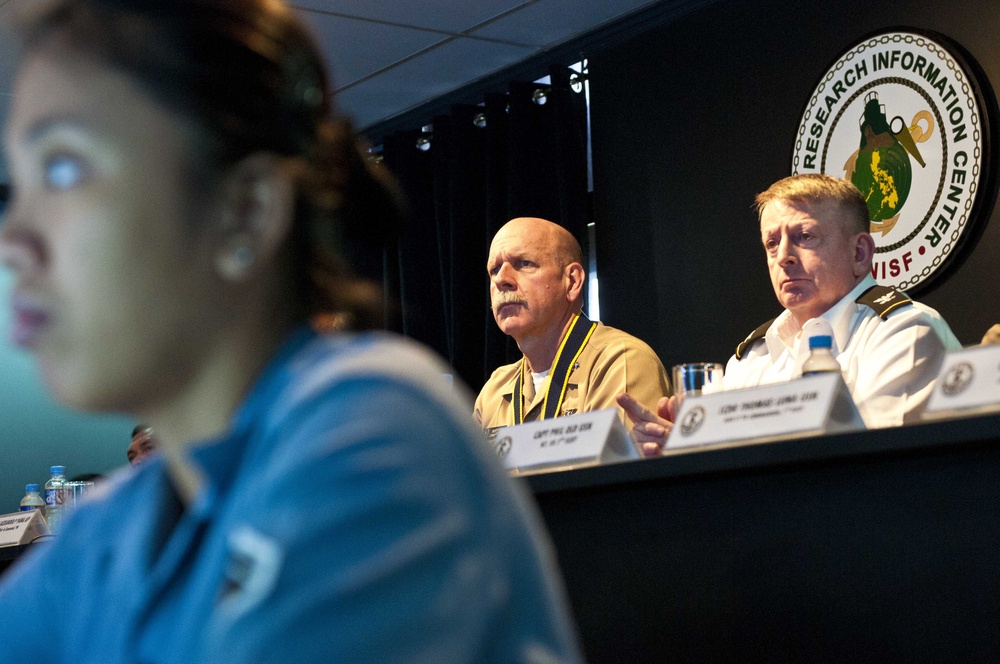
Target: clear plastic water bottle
x,y
55,497
821,359
32,499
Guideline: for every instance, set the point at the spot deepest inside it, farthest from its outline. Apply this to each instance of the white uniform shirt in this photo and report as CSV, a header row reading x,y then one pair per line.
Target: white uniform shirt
x,y
889,365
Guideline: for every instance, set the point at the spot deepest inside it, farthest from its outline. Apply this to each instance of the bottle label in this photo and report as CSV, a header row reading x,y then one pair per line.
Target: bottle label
x,y
54,497
820,372
28,508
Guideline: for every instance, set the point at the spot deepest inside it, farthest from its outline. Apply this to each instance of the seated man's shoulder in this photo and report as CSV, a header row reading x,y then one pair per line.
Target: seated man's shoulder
x,y
611,339
893,310
756,335
504,373
884,301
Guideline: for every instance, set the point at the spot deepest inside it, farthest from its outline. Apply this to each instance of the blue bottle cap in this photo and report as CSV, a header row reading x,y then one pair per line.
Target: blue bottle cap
x,y
30,487
821,341
57,470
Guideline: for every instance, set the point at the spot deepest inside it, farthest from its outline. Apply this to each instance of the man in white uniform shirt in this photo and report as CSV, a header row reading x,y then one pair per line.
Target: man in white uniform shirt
x,y
815,232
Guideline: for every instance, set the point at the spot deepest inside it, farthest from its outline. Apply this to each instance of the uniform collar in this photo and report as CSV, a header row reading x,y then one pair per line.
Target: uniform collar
x,y
784,332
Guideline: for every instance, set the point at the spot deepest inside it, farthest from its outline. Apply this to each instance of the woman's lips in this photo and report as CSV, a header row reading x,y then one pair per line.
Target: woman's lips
x,y
29,321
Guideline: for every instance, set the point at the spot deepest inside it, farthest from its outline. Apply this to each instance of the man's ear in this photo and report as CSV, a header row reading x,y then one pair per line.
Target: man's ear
x,y
574,276
257,209
864,253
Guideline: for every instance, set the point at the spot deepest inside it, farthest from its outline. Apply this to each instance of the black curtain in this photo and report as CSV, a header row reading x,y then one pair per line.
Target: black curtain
x,y
522,153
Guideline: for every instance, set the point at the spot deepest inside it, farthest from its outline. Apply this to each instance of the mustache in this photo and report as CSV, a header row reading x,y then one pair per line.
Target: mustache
x,y
507,297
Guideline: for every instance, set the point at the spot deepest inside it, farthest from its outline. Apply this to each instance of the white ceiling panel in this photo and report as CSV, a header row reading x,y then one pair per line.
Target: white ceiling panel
x,y
355,49
445,15
389,56
549,22
434,73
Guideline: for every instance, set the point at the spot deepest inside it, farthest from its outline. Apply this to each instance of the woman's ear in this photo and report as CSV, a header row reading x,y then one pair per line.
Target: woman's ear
x,y
258,206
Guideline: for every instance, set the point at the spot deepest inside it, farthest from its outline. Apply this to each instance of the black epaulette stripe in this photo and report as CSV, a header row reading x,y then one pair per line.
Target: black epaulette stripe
x,y
752,338
579,334
562,366
518,412
894,300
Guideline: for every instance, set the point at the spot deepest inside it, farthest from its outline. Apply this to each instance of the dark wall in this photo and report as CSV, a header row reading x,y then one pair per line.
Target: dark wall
x,y
692,119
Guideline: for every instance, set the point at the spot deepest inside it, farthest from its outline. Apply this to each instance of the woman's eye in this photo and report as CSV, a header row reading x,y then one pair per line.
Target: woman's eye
x,y
63,171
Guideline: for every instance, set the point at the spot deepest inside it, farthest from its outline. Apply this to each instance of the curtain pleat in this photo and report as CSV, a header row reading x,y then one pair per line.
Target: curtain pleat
x,y
526,159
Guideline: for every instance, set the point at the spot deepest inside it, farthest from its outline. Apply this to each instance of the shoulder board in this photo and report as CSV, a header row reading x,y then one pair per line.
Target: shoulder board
x,y
752,338
883,300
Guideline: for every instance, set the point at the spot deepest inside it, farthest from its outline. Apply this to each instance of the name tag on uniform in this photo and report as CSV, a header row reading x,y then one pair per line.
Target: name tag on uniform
x,y
969,382
584,439
807,406
22,528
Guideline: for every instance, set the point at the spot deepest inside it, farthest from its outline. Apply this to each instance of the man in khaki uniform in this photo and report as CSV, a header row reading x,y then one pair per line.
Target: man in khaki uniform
x,y
570,364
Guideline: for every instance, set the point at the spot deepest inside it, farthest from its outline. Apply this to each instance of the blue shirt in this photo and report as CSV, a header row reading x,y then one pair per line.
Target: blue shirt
x,y
351,513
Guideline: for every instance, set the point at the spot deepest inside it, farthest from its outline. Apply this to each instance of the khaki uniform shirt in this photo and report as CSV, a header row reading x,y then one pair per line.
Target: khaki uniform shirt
x,y
612,362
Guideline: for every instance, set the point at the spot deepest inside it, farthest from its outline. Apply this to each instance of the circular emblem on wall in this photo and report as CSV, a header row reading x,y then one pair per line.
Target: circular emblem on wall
x,y
904,117
692,421
957,378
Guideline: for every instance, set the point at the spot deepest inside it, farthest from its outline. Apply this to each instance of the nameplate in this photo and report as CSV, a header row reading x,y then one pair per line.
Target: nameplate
x,y
807,406
584,439
969,382
21,528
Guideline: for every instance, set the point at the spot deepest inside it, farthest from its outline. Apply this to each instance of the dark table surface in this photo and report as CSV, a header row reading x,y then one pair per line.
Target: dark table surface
x,y
871,546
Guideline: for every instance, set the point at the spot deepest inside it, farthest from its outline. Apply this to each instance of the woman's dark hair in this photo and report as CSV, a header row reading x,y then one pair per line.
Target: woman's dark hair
x,y
249,74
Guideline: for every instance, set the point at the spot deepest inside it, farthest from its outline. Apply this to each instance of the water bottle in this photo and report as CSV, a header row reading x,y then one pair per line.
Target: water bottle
x,y
32,499
55,496
821,359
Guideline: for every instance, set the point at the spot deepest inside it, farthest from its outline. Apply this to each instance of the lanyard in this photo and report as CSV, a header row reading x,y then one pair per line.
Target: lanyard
x,y
562,366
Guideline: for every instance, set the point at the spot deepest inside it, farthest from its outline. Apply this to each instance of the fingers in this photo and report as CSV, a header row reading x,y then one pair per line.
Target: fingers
x,y
650,445
636,411
666,408
674,405
650,449
649,429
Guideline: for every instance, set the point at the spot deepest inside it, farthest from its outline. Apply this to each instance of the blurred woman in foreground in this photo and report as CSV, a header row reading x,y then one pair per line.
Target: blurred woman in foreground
x,y
182,196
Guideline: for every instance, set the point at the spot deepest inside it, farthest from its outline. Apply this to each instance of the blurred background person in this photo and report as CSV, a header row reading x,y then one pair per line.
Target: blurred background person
x,y
143,444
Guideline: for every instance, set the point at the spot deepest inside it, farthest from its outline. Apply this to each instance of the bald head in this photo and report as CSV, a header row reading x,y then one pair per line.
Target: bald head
x,y
556,240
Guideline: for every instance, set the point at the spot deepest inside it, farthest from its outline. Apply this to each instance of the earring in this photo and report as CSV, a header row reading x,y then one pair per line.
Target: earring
x,y
243,256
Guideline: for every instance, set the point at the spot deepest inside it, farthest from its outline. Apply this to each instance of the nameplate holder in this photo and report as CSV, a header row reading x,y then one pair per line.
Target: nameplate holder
x,y
573,441
805,407
22,528
969,383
